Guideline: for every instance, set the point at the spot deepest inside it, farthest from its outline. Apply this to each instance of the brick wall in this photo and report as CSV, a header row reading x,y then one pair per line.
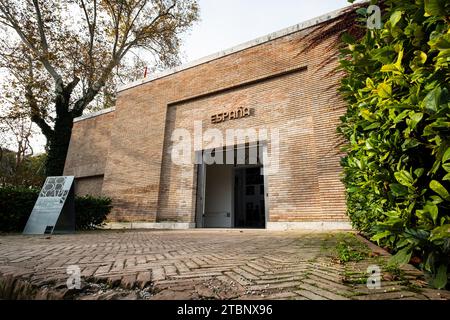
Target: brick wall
x,y
89,186
88,151
285,89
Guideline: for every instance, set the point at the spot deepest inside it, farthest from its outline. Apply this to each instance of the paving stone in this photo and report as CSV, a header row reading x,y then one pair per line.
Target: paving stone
x,y
281,296
114,281
245,274
193,264
309,295
128,281
158,274
323,292
331,286
173,295
143,279
238,278
386,296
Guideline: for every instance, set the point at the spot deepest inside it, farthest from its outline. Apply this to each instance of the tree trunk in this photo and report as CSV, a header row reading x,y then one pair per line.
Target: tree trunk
x,y
58,143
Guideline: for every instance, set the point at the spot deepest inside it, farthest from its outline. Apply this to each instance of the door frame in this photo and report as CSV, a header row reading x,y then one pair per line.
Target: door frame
x,y
266,183
201,185
201,190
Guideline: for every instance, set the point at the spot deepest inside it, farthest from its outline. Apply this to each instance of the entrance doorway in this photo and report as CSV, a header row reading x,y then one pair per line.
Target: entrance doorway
x,y
231,195
249,204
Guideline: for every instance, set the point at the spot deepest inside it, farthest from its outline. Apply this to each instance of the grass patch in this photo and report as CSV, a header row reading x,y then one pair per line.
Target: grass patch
x,y
394,270
349,248
355,278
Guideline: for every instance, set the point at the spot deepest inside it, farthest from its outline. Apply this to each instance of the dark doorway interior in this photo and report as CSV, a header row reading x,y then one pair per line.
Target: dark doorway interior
x,y
249,206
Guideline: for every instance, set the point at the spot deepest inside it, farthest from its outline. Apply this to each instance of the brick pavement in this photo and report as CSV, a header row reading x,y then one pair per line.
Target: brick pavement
x,y
195,264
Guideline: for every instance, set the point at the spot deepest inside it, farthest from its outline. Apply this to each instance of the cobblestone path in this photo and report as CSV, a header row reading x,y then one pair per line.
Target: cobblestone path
x,y
197,264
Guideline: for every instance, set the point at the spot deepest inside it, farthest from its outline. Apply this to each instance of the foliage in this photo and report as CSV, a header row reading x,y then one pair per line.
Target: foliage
x,y
15,208
28,173
16,205
349,248
62,56
91,212
18,165
397,124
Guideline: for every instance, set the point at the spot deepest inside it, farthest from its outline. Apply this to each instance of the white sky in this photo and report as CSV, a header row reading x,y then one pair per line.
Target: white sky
x,y
227,23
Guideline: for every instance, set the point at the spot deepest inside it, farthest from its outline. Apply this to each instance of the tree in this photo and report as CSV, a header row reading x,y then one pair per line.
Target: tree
x,y
66,54
28,174
18,164
20,130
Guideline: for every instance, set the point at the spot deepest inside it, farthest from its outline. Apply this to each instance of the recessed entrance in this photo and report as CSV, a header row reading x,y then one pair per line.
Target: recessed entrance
x,y
231,195
249,200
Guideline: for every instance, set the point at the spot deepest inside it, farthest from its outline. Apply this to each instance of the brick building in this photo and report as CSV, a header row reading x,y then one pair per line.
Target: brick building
x,y
275,86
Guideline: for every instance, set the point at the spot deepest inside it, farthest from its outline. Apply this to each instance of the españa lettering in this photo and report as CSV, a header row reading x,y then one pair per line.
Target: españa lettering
x,y
233,115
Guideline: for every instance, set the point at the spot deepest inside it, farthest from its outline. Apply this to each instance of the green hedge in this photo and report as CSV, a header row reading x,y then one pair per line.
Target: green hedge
x,y
397,168
91,212
16,205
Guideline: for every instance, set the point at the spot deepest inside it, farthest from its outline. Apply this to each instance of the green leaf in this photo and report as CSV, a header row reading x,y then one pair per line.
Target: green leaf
x,y
381,235
433,210
360,11
446,156
366,114
429,262
402,257
385,156
369,83
401,116
404,178
421,56
446,177
435,167
446,167
439,233
419,172
347,38
443,42
384,90
400,59
374,125
395,18
440,279
440,189
432,100
434,8
399,190
415,119
391,68
384,54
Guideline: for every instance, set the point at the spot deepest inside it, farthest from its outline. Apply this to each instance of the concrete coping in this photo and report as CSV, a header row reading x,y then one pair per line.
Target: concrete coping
x,y
94,114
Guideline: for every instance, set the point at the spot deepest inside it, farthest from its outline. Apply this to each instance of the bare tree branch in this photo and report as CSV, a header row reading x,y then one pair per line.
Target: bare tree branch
x,y
41,27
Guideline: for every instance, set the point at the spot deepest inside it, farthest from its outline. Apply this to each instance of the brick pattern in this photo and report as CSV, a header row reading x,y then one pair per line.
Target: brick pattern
x,y
193,265
146,186
89,147
89,186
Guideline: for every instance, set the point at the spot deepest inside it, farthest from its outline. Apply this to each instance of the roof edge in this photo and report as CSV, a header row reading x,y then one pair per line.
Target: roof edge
x,y
94,114
246,45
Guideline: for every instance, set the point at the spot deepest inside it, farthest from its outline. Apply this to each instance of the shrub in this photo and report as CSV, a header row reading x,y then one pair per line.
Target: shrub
x,y
397,168
91,211
16,205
